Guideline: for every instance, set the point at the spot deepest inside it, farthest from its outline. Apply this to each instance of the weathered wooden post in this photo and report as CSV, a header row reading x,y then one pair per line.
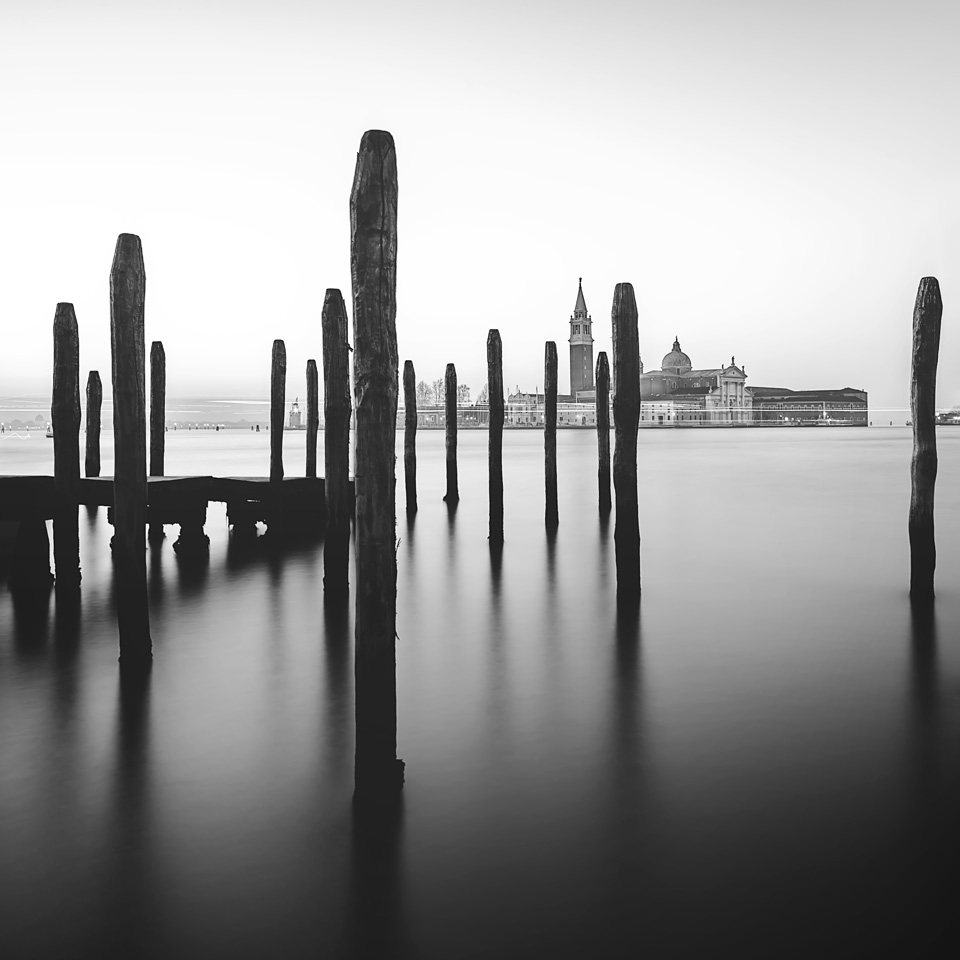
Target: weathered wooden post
x,y
373,262
127,289
452,495
158,404
495,434
410,436
603,431
336,444
65,419
278,382
551,514
626,418
313,417
94,402
923,467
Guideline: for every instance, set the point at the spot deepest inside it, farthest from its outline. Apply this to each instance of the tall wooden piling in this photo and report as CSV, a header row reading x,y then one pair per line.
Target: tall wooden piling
x,y
551,513
158,409
923,467
94,402
337,408
313,417
450,403
278,382
626,419
603,432
410,436
65,419
495,434
158,404
127,289
373,263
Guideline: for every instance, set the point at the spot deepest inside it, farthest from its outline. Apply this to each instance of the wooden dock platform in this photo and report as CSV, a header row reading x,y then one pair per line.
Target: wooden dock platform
x,y
170,498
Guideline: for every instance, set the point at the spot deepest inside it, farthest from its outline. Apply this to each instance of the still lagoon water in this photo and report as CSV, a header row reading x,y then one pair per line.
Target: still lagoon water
x,y
766,762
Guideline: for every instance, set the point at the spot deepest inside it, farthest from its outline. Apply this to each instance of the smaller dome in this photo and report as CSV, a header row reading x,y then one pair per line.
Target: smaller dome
x,y
676,361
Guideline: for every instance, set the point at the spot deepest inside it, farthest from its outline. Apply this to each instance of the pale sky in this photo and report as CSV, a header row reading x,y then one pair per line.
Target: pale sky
x,y
773,178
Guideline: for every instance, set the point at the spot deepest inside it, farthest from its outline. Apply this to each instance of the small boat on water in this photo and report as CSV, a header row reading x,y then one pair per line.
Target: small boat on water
x,y
49,433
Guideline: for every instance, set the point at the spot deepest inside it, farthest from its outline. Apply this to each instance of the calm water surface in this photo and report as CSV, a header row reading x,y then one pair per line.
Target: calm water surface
x,y
763,763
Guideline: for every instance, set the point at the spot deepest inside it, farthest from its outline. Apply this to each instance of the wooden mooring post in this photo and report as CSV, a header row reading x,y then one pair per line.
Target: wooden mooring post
x,y
158,404
94,402
495,434
927,313
65,419
452,496
551,512
337,409
603,432
373,260
410,436
278,383
626,418
127,289
313,417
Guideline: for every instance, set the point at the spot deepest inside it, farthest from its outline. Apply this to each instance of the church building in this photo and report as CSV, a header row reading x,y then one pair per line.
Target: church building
x,y
678,393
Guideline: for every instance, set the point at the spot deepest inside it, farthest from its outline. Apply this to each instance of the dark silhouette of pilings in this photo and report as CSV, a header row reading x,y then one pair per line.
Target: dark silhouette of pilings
x,y
65,419
278,382
313,417
551,514
495,437
158,407
450,397
337,408
923,467
410,436
94,403
127,289
626,418
603,432
373,261
30,575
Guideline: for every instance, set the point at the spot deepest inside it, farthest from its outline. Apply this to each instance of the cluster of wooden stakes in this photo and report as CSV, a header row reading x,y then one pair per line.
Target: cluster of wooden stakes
x,y
373,216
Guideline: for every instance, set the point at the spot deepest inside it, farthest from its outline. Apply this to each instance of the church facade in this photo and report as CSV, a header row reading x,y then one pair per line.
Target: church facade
x,y
680,393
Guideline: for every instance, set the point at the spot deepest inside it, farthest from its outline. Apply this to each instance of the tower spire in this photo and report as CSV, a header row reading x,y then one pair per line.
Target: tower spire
x,y
580,310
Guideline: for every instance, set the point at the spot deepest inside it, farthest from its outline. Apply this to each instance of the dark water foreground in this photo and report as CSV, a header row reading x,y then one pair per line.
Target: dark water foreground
x,y
765,762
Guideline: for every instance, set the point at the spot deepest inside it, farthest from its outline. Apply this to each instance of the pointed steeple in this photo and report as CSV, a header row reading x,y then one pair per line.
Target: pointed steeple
x,y
580,310
581,345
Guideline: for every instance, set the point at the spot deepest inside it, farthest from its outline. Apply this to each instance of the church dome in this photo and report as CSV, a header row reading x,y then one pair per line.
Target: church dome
x,y
676,361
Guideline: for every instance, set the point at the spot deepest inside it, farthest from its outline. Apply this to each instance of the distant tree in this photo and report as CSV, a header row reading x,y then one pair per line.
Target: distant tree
x,y
483,396
424,394
463,395
439,392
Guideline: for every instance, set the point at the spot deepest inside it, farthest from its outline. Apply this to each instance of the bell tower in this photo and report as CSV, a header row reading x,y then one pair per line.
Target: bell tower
x,y
581,346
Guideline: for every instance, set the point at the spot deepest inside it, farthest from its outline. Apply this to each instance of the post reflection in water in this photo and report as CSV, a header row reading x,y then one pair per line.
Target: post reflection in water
x,y
376,924
760,758
130,867
338,647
